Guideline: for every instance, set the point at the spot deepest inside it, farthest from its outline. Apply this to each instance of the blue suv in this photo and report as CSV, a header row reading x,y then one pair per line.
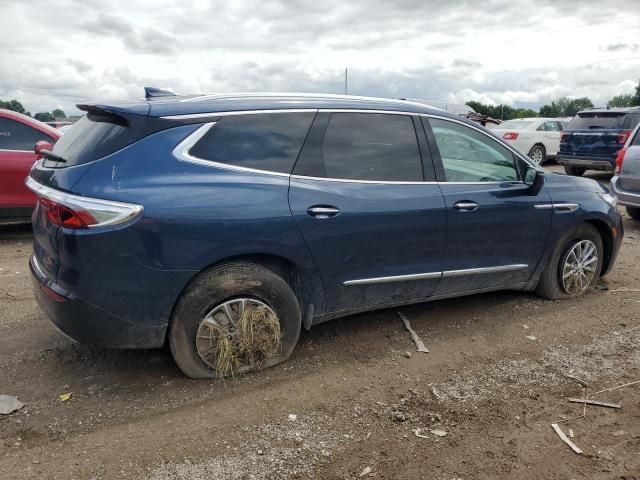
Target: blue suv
x,y
594,137
170,218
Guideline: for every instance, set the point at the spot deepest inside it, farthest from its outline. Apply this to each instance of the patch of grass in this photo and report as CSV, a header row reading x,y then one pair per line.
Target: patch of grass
x,y
260,335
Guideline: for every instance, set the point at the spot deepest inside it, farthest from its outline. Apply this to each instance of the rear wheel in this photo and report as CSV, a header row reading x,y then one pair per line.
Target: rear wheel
x,y
574,266
210,335
634,212
538,154
575,171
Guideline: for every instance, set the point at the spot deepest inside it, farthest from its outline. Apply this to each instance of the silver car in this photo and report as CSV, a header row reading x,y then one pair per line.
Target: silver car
x,y
626,181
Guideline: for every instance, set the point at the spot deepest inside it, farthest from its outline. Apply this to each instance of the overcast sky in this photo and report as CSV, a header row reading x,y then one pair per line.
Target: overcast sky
x,y
56,53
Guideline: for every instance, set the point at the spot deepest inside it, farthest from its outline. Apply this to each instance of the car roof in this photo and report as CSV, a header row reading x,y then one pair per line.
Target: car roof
x,y
173,105
31,122
612,110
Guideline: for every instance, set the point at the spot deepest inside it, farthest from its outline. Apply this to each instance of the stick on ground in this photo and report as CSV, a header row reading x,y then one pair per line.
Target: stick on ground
x,y
414,336
595,402
565,439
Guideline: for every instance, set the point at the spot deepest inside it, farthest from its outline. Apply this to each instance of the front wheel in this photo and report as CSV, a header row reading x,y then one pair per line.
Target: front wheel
x,y
233,319
634,212
575,171
574,266
538,154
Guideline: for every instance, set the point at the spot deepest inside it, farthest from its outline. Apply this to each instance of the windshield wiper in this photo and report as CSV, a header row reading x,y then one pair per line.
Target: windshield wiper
x,y
49,155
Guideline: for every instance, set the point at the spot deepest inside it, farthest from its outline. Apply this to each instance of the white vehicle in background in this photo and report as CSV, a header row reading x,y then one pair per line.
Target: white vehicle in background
x,y
539,138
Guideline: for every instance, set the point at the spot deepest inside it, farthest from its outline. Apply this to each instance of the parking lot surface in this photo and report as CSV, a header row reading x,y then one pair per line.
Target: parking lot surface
x,y
499,372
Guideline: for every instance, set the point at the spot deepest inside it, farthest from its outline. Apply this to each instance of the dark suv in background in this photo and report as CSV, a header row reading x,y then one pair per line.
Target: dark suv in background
x,y
594,137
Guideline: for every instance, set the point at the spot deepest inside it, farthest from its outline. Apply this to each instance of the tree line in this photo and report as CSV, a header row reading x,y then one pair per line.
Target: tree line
x,y
16,106
562,107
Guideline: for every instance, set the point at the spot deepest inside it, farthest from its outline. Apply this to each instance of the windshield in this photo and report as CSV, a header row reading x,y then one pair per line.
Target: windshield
x,y
597,120
515,125
96,135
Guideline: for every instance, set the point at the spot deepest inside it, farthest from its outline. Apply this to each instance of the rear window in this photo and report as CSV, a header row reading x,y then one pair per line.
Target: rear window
x,y
514,124
95,136
597,120
265,141
631,120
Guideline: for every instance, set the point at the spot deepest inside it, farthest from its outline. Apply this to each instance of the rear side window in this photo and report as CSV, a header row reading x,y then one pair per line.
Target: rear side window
x,y
265,141
597,120
368,146
18,136
95,136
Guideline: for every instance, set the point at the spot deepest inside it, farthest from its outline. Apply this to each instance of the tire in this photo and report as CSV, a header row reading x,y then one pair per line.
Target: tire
x,y
214,287
550,285
538,154
634,212
575,171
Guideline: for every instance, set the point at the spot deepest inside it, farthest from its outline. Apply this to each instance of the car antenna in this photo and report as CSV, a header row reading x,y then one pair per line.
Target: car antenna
x,y
153,92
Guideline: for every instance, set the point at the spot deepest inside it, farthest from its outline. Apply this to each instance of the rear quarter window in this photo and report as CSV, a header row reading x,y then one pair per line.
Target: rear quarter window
x,y
265,141
95,136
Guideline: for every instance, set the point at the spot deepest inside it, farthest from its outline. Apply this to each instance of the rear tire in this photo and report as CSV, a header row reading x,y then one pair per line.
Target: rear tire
x,y
575,171
634,212
551,284
538,154
220,284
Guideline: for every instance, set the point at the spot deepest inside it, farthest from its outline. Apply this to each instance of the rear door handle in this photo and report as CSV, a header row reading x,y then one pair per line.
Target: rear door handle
x,y
465,206
323,211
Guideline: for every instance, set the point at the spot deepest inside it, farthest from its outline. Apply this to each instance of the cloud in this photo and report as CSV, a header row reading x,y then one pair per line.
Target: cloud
x,y
507,51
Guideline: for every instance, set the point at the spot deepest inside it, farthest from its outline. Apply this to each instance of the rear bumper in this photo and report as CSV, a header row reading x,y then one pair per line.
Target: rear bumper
x,y
591,163
89,324
625,197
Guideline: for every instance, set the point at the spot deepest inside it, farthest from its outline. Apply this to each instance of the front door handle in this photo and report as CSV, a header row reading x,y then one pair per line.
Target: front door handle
x,y
323,211
465,206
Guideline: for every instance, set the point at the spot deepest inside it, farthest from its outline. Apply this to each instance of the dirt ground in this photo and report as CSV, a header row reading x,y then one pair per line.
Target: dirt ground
x,y
358,400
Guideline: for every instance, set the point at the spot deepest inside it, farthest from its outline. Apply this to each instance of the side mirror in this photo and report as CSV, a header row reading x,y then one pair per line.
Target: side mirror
x,y
535,179
42,145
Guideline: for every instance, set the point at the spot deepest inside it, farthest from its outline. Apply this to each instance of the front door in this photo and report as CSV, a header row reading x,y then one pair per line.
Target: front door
x,y
375,228
496,236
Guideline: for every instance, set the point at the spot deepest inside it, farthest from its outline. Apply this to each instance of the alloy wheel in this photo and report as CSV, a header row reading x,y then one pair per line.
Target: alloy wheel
x,y
579,267
537,155
222,320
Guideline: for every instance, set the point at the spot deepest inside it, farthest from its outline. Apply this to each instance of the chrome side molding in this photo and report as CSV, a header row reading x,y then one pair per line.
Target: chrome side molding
x,y
559,207
430,275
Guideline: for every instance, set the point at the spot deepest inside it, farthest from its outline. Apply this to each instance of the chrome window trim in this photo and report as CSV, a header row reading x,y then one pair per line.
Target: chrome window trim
x,y
15,150
394,278
181,151
445,274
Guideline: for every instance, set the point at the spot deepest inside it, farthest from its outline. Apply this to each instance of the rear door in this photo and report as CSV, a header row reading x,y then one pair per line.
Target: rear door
x,y
629,177
17,141
496,236
550,132
374,226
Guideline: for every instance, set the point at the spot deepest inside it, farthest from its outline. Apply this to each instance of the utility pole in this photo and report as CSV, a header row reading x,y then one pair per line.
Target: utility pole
x,y
346,80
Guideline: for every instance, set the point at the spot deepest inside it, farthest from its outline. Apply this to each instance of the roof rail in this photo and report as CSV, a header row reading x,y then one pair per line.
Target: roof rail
x,y
153,92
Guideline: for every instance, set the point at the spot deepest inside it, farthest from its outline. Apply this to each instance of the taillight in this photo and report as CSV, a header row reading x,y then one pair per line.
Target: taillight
x,y
76,212
510,136
623,136
619,160
563,137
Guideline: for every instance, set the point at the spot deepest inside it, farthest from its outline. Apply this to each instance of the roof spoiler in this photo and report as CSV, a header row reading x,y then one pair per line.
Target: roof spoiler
x,y
153,92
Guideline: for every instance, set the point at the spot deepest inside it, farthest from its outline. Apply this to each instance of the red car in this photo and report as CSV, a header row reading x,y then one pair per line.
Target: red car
x,y
18,136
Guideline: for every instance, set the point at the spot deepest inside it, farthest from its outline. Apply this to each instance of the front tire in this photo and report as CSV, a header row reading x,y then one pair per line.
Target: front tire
x,y
538,154
214,289
574,171
574,266
634,212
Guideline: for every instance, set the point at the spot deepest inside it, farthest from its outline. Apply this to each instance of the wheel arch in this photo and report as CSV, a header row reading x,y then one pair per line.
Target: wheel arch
x,y
309,293
607,241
